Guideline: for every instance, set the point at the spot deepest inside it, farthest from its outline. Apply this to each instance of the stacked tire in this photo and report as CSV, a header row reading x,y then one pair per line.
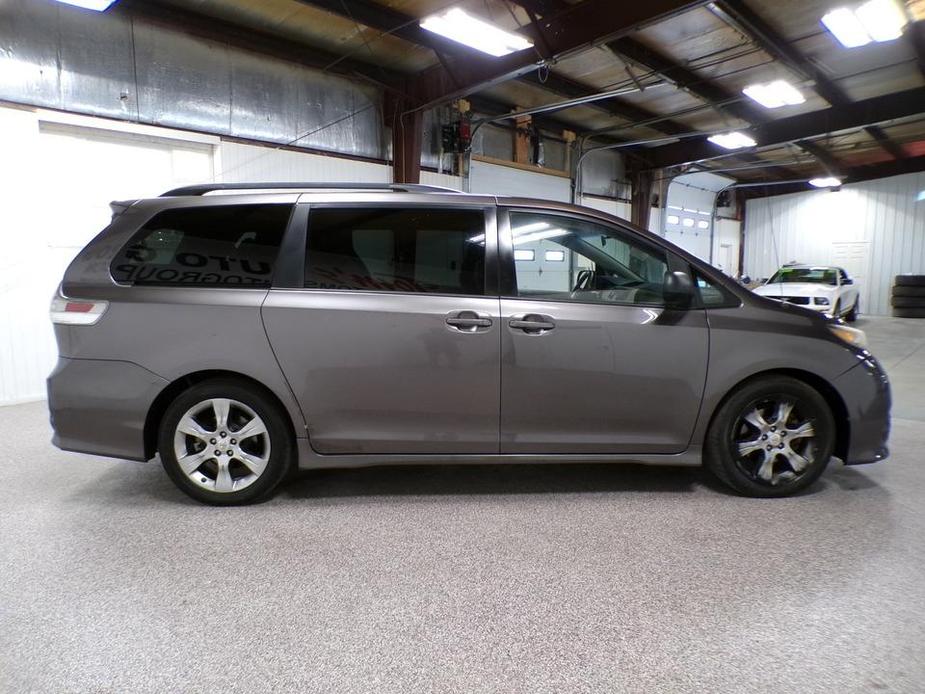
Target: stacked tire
x,y
908,298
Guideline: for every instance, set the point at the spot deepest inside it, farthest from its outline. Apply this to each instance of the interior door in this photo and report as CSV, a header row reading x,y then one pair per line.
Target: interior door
x,y
592,361
392,345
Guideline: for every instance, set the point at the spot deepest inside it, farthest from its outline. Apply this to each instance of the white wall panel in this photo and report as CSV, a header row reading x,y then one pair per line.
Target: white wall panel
x,y
618,208
57,182
817,226
492,179
245,163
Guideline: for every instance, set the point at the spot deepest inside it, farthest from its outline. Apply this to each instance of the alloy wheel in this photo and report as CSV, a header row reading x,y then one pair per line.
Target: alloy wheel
x,y
222,445
775,441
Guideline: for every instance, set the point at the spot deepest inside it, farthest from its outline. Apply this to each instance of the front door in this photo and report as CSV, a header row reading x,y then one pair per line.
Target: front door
x,y
592,361
392,346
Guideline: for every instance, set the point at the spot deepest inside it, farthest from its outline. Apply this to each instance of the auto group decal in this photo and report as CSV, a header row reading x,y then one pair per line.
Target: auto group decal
x,y
191,268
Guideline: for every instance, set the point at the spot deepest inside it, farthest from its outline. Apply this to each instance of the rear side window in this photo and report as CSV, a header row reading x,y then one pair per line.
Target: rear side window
x,y
421,250
224,245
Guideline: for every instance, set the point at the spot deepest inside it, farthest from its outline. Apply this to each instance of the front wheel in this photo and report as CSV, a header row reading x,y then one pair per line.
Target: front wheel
x,y
853,313
225,442
772,437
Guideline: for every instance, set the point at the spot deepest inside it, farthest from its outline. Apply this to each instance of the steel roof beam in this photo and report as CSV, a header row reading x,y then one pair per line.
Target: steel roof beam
x,y
740,16
856,115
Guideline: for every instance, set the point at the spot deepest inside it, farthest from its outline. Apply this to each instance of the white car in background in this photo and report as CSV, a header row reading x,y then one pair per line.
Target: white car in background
x,y
821,288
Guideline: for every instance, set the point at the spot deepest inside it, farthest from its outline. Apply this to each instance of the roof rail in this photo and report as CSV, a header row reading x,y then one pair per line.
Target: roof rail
x,y
204,188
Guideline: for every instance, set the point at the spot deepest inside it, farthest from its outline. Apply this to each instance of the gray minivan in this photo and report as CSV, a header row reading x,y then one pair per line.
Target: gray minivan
x,y
243,331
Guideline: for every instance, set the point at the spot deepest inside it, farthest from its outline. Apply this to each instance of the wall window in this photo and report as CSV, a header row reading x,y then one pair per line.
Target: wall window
x,y
527,254
585,262
221,245
396,250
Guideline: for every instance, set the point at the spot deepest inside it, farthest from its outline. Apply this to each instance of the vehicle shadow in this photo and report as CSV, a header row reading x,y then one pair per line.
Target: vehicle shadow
x,y
551,478
138,484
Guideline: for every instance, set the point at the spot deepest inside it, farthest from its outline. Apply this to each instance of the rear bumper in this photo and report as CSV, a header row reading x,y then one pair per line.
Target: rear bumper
x,y
99,406
865,390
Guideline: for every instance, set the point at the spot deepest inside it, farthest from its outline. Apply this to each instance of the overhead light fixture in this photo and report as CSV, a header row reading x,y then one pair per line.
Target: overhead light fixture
x,y
875,20
95,5
460,26
733,140
825,182
774,94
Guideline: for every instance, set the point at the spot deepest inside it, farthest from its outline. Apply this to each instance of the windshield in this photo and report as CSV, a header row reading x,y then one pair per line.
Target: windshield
x,y
819,275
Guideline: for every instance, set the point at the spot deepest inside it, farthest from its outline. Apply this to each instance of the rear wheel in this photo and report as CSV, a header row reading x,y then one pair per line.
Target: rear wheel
x,y
772,437
224,442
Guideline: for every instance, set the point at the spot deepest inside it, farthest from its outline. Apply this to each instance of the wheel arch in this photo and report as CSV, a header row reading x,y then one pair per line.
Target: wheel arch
x,y
822,386
174,388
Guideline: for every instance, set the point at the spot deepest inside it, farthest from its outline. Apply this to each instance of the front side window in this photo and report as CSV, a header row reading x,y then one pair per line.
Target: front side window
x,y
562,258
221,245
440,250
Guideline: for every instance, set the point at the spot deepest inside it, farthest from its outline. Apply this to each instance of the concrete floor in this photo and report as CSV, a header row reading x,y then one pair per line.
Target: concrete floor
x,y
490,579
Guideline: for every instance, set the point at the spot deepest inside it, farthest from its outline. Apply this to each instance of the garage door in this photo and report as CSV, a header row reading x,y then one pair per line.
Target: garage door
x,y
67,177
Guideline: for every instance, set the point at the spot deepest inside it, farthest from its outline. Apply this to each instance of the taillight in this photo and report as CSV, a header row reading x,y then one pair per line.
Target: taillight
x,y
66,311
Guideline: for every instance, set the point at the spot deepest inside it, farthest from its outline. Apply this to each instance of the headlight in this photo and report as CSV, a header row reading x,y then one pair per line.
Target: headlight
x,y
851,336
821,301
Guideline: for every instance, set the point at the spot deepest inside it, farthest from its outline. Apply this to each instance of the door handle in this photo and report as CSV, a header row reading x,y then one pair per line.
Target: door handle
x,y
532,323
468,321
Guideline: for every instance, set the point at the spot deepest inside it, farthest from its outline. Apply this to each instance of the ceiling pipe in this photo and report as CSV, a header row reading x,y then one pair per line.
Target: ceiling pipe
x,y
546,108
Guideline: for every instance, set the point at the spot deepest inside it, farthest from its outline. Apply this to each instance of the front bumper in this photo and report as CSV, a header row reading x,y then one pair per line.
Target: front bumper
x,y
99,406
865,390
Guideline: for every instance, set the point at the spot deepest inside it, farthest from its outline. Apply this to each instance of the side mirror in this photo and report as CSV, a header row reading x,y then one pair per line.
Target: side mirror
x,y
678,290
847,280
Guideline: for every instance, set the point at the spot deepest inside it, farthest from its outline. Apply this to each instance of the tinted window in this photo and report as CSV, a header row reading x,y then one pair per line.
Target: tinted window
x,y
224,245
567,259
396,250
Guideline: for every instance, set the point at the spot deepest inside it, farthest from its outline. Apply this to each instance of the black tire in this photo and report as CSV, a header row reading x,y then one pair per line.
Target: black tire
x,y
729,431
908,301
910,281
281,452
910,292
853,313
909,312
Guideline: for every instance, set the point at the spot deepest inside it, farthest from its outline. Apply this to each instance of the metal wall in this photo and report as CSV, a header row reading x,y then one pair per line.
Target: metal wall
x,y
56,56
876,229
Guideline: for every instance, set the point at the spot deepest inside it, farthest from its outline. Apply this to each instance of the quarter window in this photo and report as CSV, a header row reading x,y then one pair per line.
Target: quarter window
x,y
582,261
222,245
396,250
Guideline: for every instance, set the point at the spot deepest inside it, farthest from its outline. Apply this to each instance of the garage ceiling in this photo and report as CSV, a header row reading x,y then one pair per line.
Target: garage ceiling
x,y
690,61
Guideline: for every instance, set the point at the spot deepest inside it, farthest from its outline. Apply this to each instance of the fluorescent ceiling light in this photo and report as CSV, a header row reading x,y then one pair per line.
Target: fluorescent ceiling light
x,y
774,94
458,25
539,236
875,20
527,228
734,140
846,27
825,182
883,19
96,5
